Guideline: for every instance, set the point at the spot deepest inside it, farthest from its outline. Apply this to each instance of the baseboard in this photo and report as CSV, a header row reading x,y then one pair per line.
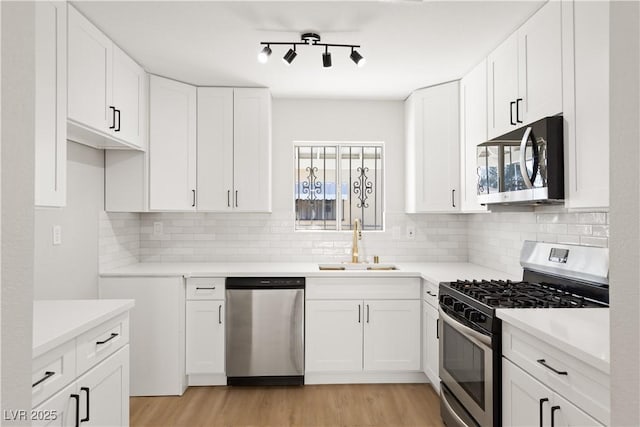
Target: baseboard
x,y
207,379
364,377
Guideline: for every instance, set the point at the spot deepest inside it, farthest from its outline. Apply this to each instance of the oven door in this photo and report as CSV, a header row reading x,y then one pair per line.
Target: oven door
x,y
466,368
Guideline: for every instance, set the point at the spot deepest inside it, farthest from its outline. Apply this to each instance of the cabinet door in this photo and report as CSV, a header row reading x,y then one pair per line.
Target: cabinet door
x,y
502,85
523,398
473,131
333,336
252,150
128,98
431,336
435,171
51,103
215,149
57,411
567,414
104,391
586,103
205,337
172,145
540,64
392,335
89,74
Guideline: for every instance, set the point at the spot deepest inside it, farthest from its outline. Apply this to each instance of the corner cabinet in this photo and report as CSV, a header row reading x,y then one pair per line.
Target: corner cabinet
x,y
105,89
51,103
525,73
362,330
433,149
234,149
585,44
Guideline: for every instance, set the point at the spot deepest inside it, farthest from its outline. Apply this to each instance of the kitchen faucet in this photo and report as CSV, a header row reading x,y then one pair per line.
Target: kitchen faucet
x,y
357,235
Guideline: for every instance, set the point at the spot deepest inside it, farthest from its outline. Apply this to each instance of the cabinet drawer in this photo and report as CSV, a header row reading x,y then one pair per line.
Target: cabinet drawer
x,y
583,385
52,371
430,293
363,288
205,288
98,343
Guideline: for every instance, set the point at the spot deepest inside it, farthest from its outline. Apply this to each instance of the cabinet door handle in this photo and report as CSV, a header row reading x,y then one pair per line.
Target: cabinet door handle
x,y
236,198
208,289
220,314
86,389
359,307
193,204
518,110
47,375
437,329
511,104
432,294
113,117
228,198
113,335
553,415
453,198
544,363
544,399
76,397
118,128
367,313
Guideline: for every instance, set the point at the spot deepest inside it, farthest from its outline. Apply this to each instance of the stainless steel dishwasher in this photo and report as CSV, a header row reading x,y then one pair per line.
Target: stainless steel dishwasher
x,y
265,331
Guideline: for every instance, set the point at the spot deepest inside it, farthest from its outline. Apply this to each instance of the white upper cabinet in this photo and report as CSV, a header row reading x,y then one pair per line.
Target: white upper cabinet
x,y
104,89
525,73
172,145
51,103
433,149
585,47
234,149
473,131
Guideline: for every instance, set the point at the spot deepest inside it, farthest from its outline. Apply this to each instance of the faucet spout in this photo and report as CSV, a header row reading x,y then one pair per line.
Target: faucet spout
x,y
357,235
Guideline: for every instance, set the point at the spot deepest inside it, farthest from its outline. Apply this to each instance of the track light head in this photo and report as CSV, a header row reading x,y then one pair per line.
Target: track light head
x,y
290,56
326,58
264,54
357,58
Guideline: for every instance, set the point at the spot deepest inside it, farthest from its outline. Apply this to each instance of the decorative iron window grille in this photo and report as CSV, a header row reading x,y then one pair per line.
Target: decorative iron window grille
x,y
337,183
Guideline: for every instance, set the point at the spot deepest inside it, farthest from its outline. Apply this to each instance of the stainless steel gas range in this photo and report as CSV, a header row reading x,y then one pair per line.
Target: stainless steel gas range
x,y
554,275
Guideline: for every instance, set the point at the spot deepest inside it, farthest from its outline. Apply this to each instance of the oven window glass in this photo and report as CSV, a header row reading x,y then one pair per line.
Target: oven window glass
x,y
464,361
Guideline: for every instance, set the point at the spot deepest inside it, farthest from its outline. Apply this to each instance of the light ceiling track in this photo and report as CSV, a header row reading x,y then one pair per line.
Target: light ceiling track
x,y
310,39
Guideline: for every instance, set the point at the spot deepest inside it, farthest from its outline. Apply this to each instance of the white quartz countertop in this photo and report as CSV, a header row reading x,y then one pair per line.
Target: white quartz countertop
x,y
433,272
581,332
57,321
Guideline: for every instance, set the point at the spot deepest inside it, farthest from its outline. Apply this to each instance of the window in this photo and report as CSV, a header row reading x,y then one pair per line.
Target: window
x,y
335,183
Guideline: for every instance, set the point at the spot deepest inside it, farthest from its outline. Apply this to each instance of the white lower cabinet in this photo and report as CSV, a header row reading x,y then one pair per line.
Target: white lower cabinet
x,y
205,337
58,410
528,402
430,338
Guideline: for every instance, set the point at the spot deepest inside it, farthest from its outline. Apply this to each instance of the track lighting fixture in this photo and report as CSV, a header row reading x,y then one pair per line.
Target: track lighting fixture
x,y
263,56
310,39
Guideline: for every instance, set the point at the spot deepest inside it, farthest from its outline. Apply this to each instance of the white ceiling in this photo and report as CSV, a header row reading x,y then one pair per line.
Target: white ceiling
x,y
407,44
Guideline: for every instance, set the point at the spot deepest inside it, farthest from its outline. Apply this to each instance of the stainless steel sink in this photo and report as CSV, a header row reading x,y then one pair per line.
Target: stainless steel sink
x,y
358,266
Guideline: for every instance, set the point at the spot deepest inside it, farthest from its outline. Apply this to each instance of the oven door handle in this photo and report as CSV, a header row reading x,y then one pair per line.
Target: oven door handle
x,y
483,340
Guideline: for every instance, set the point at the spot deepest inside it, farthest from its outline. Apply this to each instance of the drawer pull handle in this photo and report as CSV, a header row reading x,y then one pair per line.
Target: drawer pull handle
x,y
208,289
433,295
542,401
86,389
113,335
76,397
544,363
47,375
553,415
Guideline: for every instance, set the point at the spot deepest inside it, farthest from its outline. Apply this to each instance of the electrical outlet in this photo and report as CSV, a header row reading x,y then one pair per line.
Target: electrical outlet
x,y
411,232
57,235
157,228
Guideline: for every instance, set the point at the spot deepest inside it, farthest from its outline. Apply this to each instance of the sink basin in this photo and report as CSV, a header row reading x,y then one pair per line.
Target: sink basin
x,y
358,266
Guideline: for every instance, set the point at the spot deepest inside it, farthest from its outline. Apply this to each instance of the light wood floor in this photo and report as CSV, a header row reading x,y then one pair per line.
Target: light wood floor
x,y
310,405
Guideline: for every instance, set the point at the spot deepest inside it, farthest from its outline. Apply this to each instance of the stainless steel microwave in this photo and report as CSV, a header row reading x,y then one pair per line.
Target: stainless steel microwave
x,y
523,166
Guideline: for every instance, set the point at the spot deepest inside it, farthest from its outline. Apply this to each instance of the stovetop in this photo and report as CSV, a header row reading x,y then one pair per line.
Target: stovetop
x,y
509,294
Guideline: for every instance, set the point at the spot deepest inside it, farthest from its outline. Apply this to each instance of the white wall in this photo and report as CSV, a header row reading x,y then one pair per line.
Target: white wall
x,y
625,213
18,153
70,270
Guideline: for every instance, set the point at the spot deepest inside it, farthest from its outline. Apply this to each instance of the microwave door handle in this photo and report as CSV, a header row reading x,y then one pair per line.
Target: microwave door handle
x,y
523,158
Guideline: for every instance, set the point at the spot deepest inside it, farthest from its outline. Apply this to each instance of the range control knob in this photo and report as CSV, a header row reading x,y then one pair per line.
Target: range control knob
x,y
458,306
475,316
447,300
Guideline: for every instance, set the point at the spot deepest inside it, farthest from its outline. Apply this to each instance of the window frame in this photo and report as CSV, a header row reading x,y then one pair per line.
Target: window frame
x,y
338,145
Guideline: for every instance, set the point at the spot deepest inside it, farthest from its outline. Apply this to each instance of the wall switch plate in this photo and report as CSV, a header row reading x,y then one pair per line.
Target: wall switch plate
x,y
411,232
157,228
57,235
